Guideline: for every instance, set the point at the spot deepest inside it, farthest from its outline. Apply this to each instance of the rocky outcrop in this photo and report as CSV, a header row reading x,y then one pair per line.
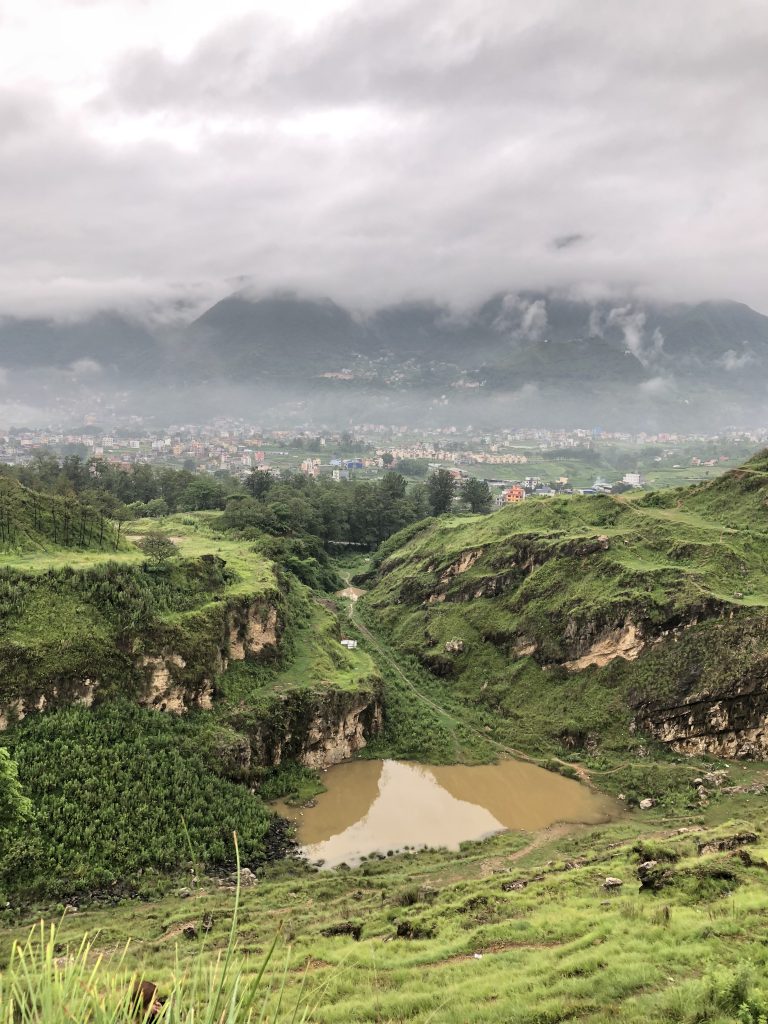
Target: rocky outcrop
x,y
624,642
329,742
251,631
317,728
171,669
166,690
732,726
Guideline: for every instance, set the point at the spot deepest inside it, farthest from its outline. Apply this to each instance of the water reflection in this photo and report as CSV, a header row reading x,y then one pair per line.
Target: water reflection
x,y
376,806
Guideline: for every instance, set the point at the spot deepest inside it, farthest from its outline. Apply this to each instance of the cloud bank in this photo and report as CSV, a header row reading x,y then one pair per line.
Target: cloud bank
x,y
166,153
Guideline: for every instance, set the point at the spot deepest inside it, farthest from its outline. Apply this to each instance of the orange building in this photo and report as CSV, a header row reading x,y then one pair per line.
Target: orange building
x,y
514,495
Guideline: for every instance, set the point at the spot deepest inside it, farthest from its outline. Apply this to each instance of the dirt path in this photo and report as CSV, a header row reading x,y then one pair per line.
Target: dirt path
x,y
584,774
390,661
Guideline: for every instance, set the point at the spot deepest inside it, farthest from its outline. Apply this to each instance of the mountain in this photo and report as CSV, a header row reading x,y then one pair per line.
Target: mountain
x,y
672,353
112,343
538,357
577,621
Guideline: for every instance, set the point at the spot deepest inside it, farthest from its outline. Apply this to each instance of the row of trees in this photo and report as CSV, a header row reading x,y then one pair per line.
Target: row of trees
x,y
348,511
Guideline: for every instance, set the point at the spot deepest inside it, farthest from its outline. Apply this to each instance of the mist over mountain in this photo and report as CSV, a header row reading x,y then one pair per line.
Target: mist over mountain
x,y
518,357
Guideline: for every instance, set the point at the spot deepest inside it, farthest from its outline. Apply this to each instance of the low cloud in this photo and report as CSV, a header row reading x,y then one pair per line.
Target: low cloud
x,y
373,153
733,360
658,387
522,319
85,368
567,241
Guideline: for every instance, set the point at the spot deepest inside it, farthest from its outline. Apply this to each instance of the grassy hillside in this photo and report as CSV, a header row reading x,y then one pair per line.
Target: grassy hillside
x,y
91,656
35,523
561,616
513,929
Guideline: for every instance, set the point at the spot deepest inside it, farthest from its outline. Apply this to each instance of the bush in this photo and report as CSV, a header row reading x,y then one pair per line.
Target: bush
x,y
119,789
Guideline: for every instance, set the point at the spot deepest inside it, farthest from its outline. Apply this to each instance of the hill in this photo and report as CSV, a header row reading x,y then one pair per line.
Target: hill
x,y
576,621
560,360
143,698
32,522
641,921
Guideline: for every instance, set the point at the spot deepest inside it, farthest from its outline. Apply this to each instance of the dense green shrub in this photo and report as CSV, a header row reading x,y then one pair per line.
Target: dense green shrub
x,y
115,790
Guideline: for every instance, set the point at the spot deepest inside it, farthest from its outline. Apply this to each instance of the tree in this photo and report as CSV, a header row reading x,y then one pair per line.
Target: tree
x,y
157,507
157,547
202,492
477,495
412,467
258,482
14,806
440,488
387,459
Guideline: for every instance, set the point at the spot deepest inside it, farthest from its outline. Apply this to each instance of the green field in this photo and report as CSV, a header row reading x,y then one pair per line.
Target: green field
x,y
513,929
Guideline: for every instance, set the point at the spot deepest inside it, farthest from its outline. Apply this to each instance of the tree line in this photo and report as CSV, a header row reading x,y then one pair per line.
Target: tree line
x,y
360,512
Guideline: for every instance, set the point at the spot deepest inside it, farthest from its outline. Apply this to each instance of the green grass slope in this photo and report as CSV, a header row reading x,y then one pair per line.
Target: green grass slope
x,y
513,929
571,612
120,789
33,523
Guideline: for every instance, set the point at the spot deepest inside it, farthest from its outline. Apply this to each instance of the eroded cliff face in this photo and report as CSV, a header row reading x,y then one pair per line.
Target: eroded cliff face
x,y
723,724
716,699
729,727
317,728
251,633
173,670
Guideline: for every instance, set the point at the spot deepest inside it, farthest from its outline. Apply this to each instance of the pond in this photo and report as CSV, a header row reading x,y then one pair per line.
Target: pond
x,y
378,806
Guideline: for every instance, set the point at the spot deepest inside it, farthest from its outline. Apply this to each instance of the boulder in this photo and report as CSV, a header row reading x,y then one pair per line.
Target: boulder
x,y
612,883
646,804
731,842
653,876
247,878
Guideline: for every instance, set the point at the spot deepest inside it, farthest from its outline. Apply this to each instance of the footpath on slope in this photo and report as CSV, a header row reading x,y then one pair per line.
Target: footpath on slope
x,y
354,593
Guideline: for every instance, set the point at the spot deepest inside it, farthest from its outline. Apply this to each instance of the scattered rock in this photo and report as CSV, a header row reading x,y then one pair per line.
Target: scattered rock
x,y
646,804
414,930
716,778
247,878
207,922
612,883
455,646
184,893
189,932
147,1003
726,843
70,909
516,886
344,928
621,796
697,782
652,876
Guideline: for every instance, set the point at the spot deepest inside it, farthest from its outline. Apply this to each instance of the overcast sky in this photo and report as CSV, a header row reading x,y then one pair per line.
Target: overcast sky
x,y
169,149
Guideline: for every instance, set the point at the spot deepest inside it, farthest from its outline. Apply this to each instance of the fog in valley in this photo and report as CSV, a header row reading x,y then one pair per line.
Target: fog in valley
x,y
424,214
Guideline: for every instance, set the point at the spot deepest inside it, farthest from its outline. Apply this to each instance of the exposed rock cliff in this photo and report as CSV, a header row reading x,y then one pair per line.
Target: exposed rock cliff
x,y
172,667
317,728
182,674
716,699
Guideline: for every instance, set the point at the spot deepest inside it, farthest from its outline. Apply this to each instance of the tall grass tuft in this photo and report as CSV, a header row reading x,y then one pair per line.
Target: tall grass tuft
x,y
43,986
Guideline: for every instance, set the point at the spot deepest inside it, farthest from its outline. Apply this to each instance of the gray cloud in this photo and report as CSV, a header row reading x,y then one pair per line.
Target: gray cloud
x,y
415,148
566,241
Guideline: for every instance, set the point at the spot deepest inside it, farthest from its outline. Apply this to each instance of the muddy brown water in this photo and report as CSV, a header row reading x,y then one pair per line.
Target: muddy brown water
x,y
377,806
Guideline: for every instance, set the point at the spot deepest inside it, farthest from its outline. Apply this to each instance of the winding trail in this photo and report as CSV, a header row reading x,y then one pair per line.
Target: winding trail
x,y
584,774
